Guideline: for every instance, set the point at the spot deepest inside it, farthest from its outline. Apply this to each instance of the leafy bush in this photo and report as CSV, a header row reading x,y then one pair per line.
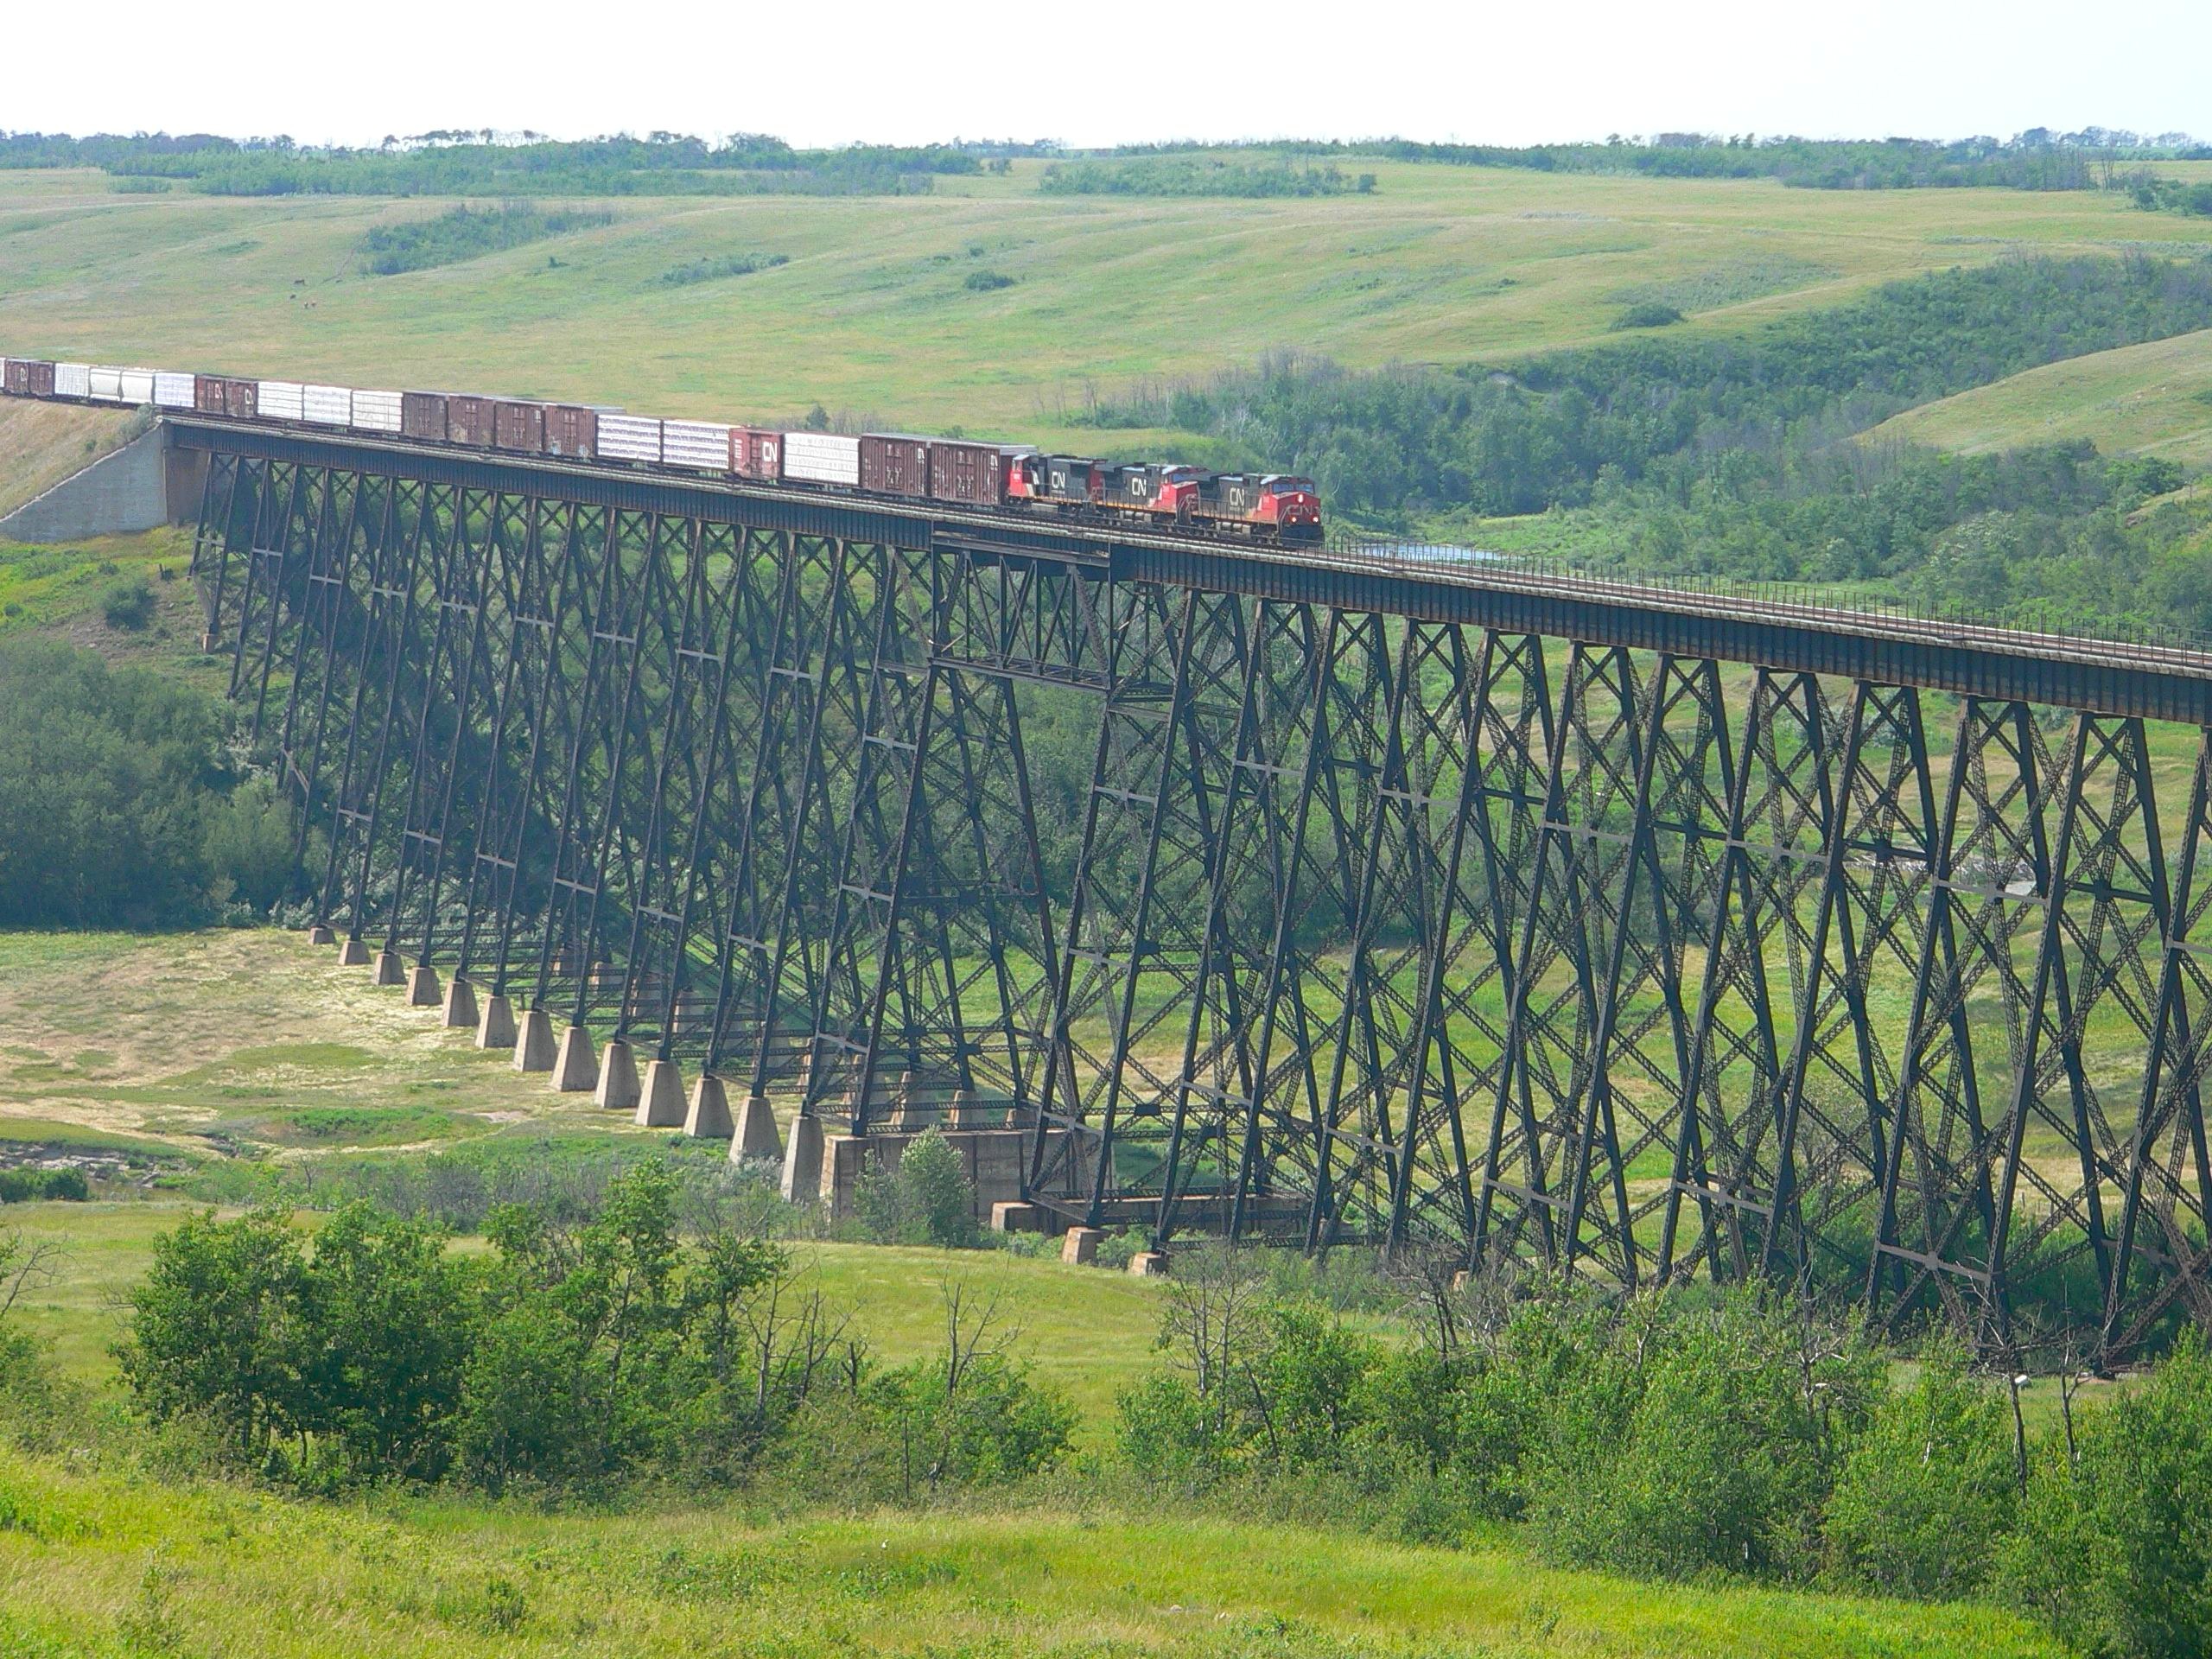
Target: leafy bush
x,y
2114,1551
985,281
1926,1494
924,1199
129,605
464,233
28,1186
707,271
1646,313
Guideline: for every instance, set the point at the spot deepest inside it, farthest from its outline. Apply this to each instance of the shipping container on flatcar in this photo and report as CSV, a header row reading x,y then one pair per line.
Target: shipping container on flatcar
x,y
472,421
571,431
422,415
73,380
755,453
629,437
822,458
519,427
895,463
172,391
30,378
703,444
379,411
976,475
281,400
327,406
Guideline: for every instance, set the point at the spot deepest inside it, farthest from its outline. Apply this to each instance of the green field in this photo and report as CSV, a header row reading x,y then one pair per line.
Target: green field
x,y
99,1564
872,314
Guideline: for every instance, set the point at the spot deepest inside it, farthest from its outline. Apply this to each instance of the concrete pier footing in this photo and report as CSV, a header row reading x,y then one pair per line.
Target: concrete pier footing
x,y
389,970
802,1161
1013,1216
574,1070
422,986
534,1049
1149,1264
321,934
756,1135
1079,1248
617,1089
460,1011
496,1027
660,1097
354,953
708,1116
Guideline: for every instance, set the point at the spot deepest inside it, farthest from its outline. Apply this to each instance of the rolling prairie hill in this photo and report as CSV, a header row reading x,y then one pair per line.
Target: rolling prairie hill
x,y
874,315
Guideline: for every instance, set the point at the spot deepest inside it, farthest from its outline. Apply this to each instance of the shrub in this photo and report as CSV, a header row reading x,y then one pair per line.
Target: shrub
x,y
1646,313
926,1198
129,605
1927,1492
982,282
2115,1553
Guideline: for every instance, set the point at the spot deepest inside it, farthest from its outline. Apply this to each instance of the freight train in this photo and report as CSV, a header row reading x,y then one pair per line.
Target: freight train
x,y
1273,507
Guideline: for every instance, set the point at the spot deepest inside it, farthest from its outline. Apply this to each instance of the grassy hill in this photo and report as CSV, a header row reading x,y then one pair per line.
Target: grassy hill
x,y
873,313
2155,398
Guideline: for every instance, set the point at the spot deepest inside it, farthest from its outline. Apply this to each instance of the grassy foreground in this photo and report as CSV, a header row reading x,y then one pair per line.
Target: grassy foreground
x,y
101,1563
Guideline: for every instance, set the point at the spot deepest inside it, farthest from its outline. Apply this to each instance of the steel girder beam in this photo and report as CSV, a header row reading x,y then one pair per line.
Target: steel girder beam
x,y
1353,926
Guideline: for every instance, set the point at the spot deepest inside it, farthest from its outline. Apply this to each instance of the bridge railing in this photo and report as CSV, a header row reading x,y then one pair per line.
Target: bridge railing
x,y
2179,647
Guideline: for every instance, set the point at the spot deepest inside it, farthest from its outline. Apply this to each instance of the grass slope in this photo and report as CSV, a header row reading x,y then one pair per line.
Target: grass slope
x,y
99,1564
873,313
2155,398
40,444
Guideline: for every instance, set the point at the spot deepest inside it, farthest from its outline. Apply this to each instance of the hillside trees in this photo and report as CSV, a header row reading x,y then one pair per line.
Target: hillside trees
x,y
118,799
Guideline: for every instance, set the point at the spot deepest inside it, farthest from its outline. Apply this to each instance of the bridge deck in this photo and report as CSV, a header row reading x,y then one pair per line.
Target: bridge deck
x,y
2107,676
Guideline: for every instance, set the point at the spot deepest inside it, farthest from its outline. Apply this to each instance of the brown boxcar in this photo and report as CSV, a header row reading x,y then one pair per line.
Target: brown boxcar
x,y
218,394
756,453
974,474
30,377
570,430
422,415
519,427
472,421
895,463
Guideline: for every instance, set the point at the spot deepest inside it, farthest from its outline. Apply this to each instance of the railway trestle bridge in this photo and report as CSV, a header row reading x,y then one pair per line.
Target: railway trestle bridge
x,y
1196,887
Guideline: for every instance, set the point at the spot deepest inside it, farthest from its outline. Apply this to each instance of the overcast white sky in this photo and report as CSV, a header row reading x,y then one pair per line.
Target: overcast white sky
x,y
820,71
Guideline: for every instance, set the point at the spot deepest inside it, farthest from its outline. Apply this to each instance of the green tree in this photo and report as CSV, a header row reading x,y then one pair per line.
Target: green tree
x,y
925,1199
2115,1552
215,1330
1926,1494
389,1318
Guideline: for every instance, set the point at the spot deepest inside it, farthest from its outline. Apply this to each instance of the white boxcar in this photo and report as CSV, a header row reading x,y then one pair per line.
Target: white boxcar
x,y
694,444
107,384
281,400
377,411
821,458
137,387
629,437
327,406
73,380
172,391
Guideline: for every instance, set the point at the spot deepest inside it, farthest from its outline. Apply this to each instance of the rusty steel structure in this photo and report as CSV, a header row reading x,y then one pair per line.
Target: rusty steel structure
x,y
1316,896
